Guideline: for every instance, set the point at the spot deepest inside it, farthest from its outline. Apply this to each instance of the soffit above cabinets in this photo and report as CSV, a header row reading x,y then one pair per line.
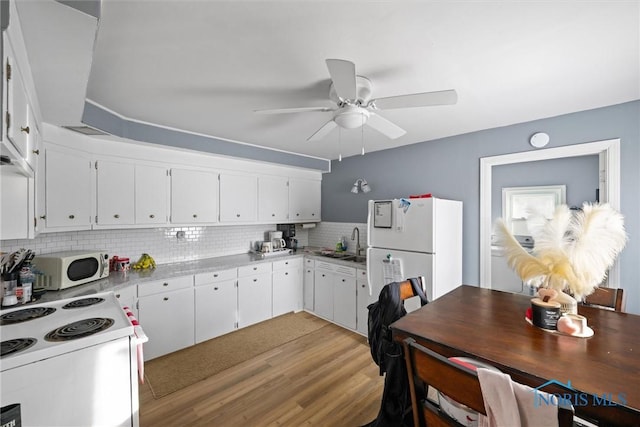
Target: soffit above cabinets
x,y
203,67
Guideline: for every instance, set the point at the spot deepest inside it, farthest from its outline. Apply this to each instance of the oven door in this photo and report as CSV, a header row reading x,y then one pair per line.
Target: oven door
x,y
97,391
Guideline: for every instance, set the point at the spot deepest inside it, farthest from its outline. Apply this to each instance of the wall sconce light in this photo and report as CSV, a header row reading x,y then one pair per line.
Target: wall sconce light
x,y
360,186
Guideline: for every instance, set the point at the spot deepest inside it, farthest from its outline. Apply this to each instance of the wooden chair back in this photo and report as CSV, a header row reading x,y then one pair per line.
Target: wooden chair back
x,y
428,368
605,297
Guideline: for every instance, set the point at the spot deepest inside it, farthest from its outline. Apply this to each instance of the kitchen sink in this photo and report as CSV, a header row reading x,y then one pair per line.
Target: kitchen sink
x,y
342,256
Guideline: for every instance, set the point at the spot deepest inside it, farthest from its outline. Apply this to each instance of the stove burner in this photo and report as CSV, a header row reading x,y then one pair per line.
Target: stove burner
x,y
15,345
84,302
79,329
24,315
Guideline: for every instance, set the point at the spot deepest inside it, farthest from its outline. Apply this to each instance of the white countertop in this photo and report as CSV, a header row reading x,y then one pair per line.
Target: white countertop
x,y
118,280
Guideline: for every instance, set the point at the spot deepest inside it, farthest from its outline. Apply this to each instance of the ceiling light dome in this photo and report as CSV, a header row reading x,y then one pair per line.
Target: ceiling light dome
x,y
351,116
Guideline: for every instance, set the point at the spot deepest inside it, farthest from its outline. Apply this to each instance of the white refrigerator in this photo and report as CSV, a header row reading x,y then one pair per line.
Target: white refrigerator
x,y
412,238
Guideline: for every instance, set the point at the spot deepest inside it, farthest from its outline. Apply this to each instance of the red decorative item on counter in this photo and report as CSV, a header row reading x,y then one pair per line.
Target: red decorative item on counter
x,y
420,196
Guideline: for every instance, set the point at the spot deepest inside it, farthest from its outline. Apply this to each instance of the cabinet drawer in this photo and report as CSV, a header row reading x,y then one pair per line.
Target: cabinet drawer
x,y
347,271
167,285
215,276
326,266
249,270
287,263
361,274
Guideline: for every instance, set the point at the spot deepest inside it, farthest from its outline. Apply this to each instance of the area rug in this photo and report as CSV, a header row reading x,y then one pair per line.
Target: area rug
x,y
174,371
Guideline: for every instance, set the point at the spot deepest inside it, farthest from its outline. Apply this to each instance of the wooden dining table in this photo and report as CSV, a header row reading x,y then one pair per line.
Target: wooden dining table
x,y
599,375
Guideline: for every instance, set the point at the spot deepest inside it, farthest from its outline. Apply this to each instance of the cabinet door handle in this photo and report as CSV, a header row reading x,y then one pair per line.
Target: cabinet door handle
x,y
165,284
255,268
323,275
343,280
25,129
43,217
362,286
215,275
166,298
195,215
36,152
297,214
286,273
72,216
215,289
116,216
118,296
273,214
152,216
237,215
255,280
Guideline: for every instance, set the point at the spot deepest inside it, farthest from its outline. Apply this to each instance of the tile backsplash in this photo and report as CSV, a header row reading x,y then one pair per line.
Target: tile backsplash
x,y
164,245
327,234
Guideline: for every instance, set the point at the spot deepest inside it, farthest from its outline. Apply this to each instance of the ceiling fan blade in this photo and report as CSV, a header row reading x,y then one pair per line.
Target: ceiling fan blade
x,y
323,131
292,110
343,74
425,99
385,127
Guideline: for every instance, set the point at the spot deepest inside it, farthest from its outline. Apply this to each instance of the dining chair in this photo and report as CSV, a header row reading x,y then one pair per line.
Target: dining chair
x,y
605,297
428,368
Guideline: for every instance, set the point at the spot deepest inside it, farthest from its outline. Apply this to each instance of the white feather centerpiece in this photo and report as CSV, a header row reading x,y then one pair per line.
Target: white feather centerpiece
x,y
572,251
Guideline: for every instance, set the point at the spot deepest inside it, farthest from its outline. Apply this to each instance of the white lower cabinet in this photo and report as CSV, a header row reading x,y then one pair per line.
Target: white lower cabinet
x,y
127,297
344,296
337,292
363,299
308,284
287,286
323,289
216,304
166,313
254,294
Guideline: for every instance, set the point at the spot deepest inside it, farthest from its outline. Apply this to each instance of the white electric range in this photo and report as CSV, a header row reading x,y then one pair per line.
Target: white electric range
x,y
70,362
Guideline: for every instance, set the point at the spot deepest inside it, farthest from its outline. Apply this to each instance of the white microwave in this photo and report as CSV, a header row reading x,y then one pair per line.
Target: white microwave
x,y
61,270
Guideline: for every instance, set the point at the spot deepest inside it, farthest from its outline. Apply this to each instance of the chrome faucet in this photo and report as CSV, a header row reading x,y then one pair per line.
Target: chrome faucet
x,y
356,234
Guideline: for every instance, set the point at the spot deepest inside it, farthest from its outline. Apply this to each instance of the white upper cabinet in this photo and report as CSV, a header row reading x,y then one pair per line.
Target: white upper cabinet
x,y
17,114
151,194
68,190
238,198
18,122
115,193
304,200
194,196
273,198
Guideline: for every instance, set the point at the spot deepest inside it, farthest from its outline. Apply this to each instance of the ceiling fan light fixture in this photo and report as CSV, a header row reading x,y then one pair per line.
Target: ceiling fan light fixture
x,y
351,117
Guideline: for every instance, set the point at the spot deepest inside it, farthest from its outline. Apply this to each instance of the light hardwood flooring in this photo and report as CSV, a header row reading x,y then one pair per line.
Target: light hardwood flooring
x,y
325,378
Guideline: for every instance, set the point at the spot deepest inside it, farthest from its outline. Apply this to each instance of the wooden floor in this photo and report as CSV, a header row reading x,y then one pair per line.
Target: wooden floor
x,y
326,378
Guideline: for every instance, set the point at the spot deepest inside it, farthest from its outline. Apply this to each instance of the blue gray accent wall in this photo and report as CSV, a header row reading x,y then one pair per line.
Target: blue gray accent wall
x,y
90,7
106,121
450,168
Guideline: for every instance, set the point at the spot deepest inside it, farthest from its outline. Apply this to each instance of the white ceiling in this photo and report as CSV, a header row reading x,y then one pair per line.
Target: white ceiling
x,y
204,66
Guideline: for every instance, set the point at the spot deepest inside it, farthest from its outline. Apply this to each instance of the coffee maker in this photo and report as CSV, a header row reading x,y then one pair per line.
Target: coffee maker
x,y
289,235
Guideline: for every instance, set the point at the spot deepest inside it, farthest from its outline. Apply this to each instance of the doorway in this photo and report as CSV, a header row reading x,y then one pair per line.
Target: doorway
x,y
609,155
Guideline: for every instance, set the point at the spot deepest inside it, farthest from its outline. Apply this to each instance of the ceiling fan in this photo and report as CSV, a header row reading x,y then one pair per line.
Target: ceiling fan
x,y
355,107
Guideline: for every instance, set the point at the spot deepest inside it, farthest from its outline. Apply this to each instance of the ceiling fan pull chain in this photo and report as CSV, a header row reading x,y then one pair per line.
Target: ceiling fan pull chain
x,y
362,134
339,144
